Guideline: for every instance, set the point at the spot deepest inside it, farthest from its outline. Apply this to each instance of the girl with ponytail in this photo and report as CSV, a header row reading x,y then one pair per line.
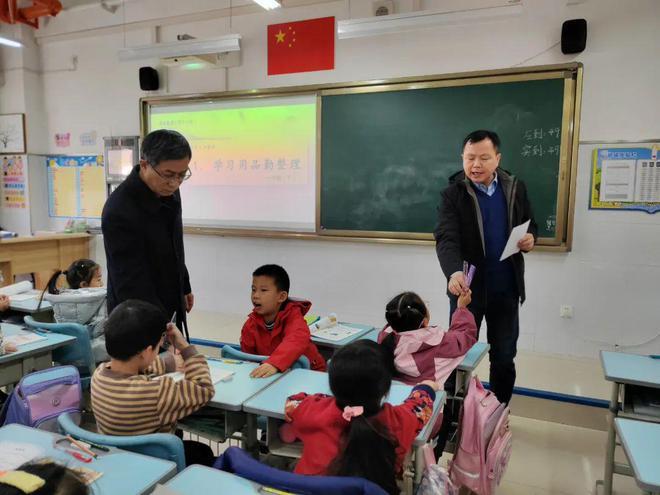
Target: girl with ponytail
x,y
354,432
83,301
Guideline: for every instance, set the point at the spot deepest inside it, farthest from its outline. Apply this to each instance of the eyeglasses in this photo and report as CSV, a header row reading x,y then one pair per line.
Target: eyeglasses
x,y
173,177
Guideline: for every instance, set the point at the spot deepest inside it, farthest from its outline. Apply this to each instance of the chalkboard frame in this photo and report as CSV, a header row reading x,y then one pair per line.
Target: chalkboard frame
x,y
572,74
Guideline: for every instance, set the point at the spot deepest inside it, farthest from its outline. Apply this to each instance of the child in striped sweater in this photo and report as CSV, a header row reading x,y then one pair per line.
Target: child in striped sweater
x,y
129,394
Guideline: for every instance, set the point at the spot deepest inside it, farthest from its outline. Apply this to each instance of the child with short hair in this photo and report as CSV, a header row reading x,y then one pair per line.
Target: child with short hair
x,y
42,478
354,433
83,301
129,395
277,327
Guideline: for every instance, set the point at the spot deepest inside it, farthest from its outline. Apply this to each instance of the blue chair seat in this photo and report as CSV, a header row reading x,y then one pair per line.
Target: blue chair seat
x,y
239,462
78,353
162,445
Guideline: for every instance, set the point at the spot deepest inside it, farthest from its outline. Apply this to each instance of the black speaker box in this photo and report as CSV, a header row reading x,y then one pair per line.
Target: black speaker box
x,y
574,36
148,79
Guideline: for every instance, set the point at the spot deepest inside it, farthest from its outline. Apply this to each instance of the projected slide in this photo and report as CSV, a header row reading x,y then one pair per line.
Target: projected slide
x,y
253,163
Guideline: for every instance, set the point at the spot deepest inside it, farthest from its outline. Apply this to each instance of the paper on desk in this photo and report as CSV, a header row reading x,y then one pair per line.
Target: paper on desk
x,y
22,338
164,490
22,297
336,333
13,289
217,375
14,454
517,233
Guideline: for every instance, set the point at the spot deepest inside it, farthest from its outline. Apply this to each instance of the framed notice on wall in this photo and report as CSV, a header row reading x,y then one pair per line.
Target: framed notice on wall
x,y
12,133
76,186
626,178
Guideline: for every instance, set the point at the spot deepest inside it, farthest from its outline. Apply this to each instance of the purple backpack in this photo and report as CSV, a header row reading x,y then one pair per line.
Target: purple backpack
x,y
40,397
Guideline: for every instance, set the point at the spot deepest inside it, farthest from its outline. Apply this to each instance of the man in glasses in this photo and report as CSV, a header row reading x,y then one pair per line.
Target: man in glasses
x,y
142,229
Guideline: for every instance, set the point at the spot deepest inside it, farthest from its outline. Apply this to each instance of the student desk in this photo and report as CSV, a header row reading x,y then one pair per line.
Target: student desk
x,y
197,479
625,371
230,396
641,442
29,357
270,403
124,472
29,306
334,345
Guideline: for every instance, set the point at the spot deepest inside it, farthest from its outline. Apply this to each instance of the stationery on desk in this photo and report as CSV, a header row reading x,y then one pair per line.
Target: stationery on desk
x,y
217,375
328,328
22,338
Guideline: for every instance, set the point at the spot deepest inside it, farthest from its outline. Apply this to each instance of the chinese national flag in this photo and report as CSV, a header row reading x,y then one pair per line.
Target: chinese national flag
x,y
301,46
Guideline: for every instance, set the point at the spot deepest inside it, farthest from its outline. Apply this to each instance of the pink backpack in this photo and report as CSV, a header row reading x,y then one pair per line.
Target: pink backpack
x,y
484,441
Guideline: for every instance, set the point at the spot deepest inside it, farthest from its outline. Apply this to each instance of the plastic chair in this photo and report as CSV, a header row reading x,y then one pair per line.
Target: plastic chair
x,y
78,353
162,445
231,352
239,462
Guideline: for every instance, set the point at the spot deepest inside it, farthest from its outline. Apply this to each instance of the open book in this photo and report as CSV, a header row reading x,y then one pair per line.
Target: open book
x,y
336,332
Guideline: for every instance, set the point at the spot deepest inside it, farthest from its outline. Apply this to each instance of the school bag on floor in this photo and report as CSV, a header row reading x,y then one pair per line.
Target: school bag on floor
x,y
484,441
40,397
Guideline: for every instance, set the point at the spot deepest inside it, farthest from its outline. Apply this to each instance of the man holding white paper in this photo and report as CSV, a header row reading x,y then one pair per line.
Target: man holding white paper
x,y
477,221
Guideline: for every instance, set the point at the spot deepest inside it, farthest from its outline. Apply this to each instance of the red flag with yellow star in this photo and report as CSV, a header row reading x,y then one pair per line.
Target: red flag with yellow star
x,y
301,46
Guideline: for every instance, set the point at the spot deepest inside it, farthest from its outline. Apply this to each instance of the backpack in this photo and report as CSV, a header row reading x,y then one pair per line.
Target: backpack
x,y
484,441
40,397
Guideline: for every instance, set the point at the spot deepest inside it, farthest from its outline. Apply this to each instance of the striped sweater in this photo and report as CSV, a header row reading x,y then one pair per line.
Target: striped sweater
x,y
141,404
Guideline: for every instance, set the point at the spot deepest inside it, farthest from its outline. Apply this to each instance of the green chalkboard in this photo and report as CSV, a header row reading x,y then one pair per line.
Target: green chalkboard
x,y
387,155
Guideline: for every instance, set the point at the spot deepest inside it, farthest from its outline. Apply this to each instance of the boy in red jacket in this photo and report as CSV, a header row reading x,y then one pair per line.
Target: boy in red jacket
x,y
276,327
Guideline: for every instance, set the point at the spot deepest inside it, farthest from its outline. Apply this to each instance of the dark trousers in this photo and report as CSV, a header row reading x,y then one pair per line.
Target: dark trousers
x,y
196,452
501,313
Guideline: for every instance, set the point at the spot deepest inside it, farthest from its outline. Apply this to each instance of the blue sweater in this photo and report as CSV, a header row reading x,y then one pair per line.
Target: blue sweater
x,y
500,278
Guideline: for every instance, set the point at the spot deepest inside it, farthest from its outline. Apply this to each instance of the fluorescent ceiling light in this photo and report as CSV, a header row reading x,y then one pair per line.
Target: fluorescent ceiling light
x,y
10,42
395,23
269,4
229,43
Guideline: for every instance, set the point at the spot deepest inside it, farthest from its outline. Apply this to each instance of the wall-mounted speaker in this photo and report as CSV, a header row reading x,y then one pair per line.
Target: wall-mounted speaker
x,y
148,79
573,36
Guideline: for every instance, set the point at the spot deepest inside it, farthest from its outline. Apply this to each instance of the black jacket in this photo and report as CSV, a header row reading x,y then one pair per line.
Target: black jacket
x,y
143,237
459,233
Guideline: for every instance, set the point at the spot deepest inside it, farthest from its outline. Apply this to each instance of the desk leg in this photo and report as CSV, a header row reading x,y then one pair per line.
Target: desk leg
x,y
611,441
251,443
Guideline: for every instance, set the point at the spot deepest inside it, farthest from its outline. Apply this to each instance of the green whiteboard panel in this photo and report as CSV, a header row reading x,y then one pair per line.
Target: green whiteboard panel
x,y
386,156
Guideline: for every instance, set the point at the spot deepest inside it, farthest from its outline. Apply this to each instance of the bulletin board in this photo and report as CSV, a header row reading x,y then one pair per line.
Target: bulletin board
x,y
76,186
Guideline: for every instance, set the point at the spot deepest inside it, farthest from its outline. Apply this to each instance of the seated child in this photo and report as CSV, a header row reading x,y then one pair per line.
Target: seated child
x,y
42,478
420,352
84,301
129,395
423,352
354,433
277,327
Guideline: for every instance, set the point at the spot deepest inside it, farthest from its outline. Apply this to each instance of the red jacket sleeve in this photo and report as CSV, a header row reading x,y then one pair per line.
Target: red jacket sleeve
x,y
248,341
461,336
294,343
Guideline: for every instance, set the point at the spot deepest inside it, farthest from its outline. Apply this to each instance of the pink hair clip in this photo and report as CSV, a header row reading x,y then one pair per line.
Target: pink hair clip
x,y
351,412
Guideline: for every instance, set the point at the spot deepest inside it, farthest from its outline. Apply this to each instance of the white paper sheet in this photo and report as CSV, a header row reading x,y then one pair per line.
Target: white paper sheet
x,y
13,454
517,233
10,290
217,375
22,297
336,333
22,338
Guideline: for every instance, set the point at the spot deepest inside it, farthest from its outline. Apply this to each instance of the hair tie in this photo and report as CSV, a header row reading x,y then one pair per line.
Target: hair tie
x,y
352,412
25,482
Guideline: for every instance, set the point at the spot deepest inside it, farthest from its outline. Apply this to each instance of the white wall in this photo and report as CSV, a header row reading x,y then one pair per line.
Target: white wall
x,y
611,275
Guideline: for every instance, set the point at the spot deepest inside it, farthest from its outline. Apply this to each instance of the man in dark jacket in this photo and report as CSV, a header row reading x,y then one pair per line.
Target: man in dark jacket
x,y
143,232
477,212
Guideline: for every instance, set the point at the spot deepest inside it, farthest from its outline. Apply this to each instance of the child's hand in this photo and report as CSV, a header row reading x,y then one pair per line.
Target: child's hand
x,y
178,359
430,383
263,371
464,299
4,302
175,337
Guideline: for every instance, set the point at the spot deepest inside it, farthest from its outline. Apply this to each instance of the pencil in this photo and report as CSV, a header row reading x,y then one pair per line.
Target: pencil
x,y
80,446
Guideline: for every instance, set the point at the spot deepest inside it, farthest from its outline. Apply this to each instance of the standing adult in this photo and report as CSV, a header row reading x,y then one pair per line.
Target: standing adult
x,y
143,232
477,212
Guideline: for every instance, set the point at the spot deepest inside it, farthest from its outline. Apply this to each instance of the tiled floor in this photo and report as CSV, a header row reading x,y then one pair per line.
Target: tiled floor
x,y
548,458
